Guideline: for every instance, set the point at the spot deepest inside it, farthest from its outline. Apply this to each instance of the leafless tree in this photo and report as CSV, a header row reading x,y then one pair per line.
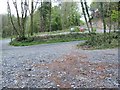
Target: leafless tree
x,y
87,11
20,20
83,10
33,8
9,14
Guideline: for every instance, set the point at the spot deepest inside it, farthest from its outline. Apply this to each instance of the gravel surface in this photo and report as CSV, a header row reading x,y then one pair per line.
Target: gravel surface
x,y
58,65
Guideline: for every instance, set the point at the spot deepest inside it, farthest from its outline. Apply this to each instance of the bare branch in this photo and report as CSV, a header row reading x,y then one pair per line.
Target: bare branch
x,y
22,9
36,5
15,5
37,2
9,12
28,6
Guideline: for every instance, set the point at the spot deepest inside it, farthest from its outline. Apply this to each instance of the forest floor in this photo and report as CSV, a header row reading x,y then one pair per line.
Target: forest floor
x,y
60,65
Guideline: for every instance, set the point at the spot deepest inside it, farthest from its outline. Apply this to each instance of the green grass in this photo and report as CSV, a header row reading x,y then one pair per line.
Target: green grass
x,y
50,39
101,41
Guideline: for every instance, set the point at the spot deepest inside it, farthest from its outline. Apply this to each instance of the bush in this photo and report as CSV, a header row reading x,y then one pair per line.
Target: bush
x,y
101,41
77,29
50,39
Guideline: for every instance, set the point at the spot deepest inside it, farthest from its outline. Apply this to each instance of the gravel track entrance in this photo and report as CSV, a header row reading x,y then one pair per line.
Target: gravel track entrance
x,y
48,65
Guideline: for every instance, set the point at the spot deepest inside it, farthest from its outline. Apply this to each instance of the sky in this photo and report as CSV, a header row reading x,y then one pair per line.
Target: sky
x,y
3,5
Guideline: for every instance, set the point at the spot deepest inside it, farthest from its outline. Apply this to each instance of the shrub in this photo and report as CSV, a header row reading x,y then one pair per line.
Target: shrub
x,y
50,39
77,29
101,41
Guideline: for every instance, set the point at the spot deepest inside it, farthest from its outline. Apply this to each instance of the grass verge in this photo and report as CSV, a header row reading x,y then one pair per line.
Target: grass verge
x,y
101,41
50,39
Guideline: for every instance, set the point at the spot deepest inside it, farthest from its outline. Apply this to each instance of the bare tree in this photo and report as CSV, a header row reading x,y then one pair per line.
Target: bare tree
x,y
33,8
24,16
9,14
86,7
21,21
18,17
83,10
31,17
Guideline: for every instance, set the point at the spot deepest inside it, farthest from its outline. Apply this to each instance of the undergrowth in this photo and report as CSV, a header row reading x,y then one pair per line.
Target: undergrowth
x,y
101,41
49,39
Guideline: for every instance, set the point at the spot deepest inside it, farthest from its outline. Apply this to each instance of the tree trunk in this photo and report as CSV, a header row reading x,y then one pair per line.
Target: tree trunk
x,y
118,27
9,13
103,18
110,22
85,15
88,15
110,17
50,17
41,17
64,15
31,24
24,23
18,18
20,21
23,18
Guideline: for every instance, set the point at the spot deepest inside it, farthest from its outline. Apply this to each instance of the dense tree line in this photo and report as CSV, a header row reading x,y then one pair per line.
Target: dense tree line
x,y
7,29
45,18
108,13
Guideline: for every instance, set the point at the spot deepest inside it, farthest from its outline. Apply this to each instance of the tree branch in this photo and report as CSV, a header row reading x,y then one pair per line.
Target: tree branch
x,y
9,12
15,5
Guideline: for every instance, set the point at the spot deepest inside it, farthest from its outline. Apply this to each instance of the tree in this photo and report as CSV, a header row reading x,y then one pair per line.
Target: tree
x,y
102,16
50,7
69,14
56,19
83,9
107,9
74,15
64,14
7,29
36,23
31,17
45,10
110,17
33,8
86,8
11,19
6,26
24,7
21,21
